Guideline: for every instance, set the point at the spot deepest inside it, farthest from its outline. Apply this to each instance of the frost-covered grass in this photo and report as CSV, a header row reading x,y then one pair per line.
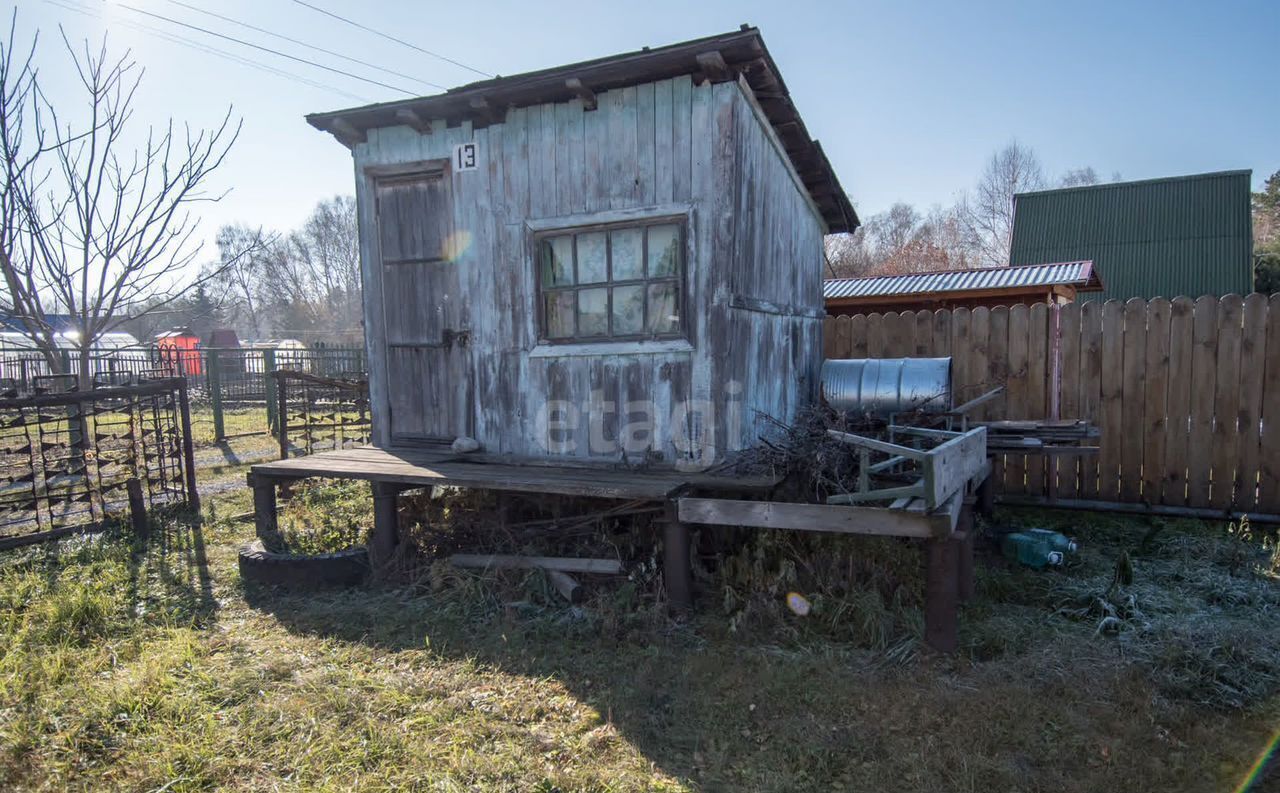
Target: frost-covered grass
x,y
146,665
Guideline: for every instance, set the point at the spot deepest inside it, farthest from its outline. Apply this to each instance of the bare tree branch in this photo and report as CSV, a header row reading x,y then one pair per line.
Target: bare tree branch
x,y
93,227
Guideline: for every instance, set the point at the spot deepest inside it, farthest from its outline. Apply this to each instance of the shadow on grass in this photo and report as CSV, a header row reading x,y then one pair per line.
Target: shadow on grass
x,y
693,706
169,568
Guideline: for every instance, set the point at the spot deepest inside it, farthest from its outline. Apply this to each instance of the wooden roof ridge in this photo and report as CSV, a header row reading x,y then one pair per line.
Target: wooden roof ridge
x,y
717,58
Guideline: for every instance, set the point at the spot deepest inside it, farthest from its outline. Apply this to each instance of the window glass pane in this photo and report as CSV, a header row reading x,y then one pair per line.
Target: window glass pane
x,y
593,312
591,258
557,261
627,251
559,314
628,310
664,250
664,309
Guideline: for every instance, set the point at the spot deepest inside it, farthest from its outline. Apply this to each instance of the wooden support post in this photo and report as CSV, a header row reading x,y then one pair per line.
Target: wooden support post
x,y
676,570
213,376
188,448
941,600
565,585
264,512
386,524
269,389
137,507
964,536
987,497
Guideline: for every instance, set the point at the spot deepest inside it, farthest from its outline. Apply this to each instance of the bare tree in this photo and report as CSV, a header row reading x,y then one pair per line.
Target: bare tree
x,y
989,212
99,228
901,240
242,250
848,254
1079,177
24,145
328,248
301,283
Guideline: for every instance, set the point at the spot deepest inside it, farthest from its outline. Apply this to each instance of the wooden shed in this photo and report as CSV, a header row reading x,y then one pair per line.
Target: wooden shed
x,y
607,274
616,260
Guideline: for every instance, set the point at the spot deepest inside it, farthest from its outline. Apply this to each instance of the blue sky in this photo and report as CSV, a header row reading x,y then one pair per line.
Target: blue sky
x,y
908,98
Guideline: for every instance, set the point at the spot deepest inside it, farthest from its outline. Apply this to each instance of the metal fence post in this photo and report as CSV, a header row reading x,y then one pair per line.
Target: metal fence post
x,y
213,375
269,389
77,428
282,414
188,447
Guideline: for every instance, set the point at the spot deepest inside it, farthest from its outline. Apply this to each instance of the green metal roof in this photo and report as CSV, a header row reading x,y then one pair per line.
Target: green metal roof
x,y
1186,235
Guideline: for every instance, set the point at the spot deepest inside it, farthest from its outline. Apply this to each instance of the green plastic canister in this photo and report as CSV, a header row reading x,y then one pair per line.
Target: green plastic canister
x,y
1057,540
1030,550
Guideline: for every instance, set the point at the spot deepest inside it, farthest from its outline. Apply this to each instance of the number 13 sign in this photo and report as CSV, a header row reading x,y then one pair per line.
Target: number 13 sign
x,y
466,156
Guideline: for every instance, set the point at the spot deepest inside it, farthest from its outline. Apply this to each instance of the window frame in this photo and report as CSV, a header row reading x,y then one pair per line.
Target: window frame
x,y
642,223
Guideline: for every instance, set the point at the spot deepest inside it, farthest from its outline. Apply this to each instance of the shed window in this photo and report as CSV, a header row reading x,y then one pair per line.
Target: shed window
x,y
612,282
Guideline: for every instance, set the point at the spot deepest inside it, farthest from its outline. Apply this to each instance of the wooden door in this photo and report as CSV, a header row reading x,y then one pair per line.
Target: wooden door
x,y
428,368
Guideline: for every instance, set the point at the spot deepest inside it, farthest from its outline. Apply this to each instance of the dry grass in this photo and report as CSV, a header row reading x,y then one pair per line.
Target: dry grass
x,y
237,421
135,667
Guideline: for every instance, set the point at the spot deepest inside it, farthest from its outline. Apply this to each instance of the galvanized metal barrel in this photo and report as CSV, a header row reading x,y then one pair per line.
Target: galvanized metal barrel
x,y
880,386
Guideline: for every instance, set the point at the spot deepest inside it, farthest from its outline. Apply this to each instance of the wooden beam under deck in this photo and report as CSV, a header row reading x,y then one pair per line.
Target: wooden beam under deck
x,y
833,518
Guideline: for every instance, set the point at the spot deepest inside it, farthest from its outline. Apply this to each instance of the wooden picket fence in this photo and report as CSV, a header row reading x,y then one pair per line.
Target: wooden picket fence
x,y
1186,393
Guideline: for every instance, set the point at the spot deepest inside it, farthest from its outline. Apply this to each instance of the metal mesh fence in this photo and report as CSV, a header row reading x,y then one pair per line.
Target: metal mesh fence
x,y
68,460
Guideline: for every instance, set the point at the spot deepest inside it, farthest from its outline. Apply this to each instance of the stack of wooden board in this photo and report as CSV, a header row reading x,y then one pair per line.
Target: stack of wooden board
x,y
1041,436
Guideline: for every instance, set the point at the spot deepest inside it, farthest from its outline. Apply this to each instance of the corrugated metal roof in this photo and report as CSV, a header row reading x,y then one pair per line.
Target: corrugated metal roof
x,y
1187,235
1078,274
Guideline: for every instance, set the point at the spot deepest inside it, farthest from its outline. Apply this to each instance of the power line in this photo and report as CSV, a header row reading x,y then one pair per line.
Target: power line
x,y
242,42
389,37
195,45
300,43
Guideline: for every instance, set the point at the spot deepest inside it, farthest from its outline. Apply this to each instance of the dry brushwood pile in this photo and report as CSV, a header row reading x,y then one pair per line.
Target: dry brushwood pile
x,y
863,590
814,465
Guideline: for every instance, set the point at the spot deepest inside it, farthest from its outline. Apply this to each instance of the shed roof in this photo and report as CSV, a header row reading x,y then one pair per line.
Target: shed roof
x,y
59,323
716,58
1186,235
1080,275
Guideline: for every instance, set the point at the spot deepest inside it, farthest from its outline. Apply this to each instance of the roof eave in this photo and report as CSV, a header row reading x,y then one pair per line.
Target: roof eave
x,y
714,58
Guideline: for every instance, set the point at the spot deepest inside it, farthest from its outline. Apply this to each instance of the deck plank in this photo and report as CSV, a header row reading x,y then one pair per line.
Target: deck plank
x,y
436,467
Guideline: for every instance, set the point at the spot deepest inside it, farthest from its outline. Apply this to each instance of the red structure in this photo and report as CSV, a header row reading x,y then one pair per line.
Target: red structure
x,y
180,348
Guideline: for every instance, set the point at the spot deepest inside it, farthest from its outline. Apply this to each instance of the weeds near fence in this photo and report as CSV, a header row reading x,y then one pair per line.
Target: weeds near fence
x,y
1187,618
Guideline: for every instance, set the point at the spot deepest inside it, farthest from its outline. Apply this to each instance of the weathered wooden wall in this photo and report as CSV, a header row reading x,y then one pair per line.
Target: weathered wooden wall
x,y
753,270
1186,393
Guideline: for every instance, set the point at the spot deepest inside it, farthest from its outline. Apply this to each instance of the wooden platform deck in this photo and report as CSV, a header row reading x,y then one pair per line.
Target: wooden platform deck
x,y
691,498
424,467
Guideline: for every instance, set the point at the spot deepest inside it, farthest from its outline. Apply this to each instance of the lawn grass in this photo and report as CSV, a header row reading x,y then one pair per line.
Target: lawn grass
x,y
237,421
137,665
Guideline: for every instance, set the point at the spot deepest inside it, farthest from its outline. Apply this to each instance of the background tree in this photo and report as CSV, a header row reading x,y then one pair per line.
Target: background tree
x,y
1266,236
1079,177
96,229
901,240
302,284
974,232
988,211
